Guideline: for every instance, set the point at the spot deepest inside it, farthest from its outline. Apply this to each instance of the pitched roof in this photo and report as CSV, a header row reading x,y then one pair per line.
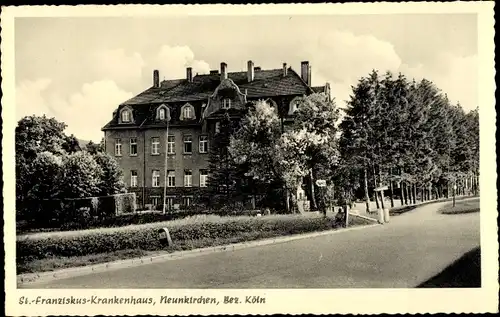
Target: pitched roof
x,y
266,83
318,89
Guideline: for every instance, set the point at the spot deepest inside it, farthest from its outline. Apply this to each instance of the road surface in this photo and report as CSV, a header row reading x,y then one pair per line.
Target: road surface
x,y
408,251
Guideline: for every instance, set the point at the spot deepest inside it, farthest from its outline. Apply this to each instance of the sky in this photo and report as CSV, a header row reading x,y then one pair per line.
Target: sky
x,y
79,69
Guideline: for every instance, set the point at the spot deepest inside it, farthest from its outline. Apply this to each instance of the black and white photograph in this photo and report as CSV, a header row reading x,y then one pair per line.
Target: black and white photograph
x,y
236,153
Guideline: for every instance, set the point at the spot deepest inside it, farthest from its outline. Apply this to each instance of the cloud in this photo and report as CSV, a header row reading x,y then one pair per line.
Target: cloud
x,y
117,65
171,61
457,76
85,111
29,99
342,58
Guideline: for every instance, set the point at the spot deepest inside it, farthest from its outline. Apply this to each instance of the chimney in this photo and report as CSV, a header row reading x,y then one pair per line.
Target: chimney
x,y
156,78
223,71
189,74
285,70
309,82
304,72
250,71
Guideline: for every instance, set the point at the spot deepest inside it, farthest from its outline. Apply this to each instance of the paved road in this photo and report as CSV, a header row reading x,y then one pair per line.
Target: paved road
x,y
404,253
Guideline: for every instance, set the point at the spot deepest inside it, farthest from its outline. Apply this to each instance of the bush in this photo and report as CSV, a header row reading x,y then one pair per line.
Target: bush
x,y
186,233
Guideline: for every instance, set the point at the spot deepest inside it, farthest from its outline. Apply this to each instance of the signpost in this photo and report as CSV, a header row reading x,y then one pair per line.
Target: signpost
x,y
383,213
321,183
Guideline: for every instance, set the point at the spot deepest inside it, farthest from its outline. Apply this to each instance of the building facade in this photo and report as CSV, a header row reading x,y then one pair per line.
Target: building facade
x,y
161,137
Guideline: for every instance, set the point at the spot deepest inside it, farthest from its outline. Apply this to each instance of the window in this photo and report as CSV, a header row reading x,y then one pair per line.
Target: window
x,y
293,106
118,147
203,144
171,144
170,202
203,178
155,146
188,178
125,116
156,178
188,112
133,179
186,201
171,179
162,113
133,147
217,127
226,103
188,144
155,201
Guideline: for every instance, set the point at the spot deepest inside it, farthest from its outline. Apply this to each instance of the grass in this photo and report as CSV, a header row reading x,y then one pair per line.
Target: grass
x,y
49,251
404,209
461,207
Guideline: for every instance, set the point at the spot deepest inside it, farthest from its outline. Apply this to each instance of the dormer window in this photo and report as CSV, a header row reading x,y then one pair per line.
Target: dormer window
x,y
226,103
187,112
294,104
163,113
126,115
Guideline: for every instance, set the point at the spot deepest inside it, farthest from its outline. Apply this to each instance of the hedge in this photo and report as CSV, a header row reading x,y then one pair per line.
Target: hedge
x,y
185,234
75,212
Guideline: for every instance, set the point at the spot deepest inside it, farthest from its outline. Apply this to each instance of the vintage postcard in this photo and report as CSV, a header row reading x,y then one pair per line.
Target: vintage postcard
x,y
249,159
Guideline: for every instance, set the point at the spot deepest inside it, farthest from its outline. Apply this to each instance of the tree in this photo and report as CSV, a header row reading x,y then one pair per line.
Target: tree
x,y
82,176
45,177
94,148
316,118
111,181
254,148
33,136
71,144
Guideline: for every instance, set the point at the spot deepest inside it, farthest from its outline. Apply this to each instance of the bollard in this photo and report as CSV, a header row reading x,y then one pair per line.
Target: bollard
x,y
386,215
164,237
380,216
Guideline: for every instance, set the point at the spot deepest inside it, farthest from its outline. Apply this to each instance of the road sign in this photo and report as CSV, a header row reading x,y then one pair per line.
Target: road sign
x,y
321,183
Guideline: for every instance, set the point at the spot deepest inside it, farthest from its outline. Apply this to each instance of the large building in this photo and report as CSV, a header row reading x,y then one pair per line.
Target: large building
x,y
161,137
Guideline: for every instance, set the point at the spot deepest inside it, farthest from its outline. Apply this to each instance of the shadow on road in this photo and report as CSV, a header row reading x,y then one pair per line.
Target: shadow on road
x,y
464,272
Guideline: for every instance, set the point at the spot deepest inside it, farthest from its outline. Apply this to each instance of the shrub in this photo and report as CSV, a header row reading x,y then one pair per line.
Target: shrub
x,y
186,233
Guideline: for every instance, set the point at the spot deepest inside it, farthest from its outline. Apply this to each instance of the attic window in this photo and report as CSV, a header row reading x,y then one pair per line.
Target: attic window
x,y
226,103
187,112
163,113
126,115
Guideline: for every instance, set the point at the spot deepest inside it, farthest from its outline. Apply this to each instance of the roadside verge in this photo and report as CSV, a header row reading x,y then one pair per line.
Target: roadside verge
x,y
166,256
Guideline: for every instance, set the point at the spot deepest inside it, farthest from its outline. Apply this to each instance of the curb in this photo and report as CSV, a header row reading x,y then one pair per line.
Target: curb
x,y
89,269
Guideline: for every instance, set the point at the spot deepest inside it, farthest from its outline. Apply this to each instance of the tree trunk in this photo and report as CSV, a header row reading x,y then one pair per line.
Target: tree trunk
x,y
375,185
447,190
313,196
414,194
392,191
401,193
422,194
407,193
367,197
287,200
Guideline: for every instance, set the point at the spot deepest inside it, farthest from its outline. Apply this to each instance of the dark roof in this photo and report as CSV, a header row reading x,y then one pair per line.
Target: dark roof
x,y
266,83
318,89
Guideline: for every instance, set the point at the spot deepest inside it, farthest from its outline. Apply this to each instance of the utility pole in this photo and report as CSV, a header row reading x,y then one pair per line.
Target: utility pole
x,y
166,161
